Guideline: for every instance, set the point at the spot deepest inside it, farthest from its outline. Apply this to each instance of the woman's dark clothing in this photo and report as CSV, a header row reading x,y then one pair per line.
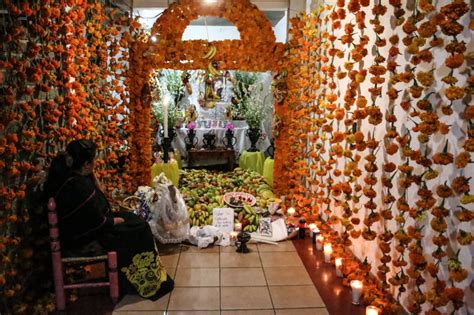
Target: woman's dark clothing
x,y
85,217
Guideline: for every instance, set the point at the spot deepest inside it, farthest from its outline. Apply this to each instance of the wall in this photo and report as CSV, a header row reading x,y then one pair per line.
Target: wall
x,y
338,87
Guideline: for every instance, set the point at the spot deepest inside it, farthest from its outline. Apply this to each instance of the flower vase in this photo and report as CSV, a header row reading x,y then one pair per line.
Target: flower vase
x,y
230,139
254,136
191,140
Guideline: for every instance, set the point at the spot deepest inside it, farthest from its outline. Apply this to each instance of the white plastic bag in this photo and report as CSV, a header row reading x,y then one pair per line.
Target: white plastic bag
x,y
169,215
205,236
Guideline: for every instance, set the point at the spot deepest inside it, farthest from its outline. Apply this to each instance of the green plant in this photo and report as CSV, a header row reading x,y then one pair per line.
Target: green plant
x,y
256,107
168,83
243,81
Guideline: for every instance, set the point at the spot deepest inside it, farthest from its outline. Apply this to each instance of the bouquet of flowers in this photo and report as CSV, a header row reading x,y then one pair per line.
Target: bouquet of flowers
x,y
256,108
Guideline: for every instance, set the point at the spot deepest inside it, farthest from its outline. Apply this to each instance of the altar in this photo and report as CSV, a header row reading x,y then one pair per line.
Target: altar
x,y
242,141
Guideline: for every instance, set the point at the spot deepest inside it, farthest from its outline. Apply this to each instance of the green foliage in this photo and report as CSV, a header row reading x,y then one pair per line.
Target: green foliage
x,y
242,86
168,82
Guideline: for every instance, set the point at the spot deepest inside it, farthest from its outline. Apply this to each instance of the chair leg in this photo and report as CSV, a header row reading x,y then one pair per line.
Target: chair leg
x,y
113,276
58,281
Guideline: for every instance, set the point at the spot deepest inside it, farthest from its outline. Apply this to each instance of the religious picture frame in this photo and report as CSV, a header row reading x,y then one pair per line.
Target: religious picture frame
x,y
215,88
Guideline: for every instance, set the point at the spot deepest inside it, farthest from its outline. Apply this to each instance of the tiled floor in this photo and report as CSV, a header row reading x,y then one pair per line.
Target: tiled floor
x,y
270,280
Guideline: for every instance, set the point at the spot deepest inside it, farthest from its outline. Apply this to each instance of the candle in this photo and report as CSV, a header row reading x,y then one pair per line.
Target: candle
x,y
238,227
166,101
312,226
291,211
371,310
356,286
233,237
327,252
319,242
338,262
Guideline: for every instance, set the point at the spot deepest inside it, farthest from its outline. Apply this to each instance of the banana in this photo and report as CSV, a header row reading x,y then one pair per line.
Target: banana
x,y
210,53
251,218
213,52
257,220
213,70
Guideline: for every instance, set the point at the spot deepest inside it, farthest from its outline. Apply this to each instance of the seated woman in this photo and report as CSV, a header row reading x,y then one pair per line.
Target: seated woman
x,y
85,218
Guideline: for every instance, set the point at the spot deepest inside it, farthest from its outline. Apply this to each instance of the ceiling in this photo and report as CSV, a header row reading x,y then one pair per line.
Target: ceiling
x,y
273,16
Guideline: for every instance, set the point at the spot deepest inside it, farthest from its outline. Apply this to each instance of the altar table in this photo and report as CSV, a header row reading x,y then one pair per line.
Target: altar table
x,y
252,160
240,129
268,171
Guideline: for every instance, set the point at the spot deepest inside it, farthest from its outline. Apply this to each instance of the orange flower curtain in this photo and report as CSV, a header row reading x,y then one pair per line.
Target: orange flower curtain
x,y
376,144
62,72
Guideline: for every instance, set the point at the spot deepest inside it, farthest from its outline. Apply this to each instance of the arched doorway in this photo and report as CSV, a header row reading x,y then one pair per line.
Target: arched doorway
x,y
257,50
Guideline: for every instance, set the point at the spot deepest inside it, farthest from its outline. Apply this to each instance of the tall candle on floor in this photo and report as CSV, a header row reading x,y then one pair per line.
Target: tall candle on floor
x,y
371,310
327,252
312,226
166,102
338,262
356,286
319,242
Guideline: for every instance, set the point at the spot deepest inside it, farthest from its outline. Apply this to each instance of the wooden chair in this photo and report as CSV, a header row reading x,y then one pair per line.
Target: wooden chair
x,y
59,285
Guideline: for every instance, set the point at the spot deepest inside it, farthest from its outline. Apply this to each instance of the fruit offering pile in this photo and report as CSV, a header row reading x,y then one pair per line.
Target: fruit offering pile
x,y
204,190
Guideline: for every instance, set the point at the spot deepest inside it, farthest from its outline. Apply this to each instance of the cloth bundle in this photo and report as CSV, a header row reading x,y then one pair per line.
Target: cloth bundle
x,y
165,210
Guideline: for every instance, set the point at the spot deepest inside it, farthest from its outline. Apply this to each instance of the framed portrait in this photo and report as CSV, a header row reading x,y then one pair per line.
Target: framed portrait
x,y
215,89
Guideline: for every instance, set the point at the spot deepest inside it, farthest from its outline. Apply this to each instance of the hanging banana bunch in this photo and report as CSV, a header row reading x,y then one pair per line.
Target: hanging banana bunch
x,y
211,67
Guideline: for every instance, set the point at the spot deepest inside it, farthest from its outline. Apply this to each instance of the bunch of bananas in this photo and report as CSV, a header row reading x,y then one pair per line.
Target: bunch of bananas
x,y
249,216
212,70
210,53
200,218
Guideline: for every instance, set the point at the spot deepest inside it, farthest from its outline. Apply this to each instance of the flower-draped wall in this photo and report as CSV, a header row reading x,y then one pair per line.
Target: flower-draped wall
x,y
376,141
62,72
255,51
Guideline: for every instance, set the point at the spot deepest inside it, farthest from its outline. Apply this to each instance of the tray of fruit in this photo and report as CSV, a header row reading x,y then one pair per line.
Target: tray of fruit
x,y
239,199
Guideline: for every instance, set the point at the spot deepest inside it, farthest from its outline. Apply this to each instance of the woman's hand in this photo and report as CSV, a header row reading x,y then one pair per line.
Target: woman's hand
x,y
118,220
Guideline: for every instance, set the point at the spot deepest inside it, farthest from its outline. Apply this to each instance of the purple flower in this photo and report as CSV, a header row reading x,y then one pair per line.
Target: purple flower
x,y
229,126
191,126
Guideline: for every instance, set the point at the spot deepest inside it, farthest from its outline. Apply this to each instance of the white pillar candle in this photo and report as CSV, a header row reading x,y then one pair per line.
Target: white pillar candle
x,y
291,211
238,227
233,237
356,286
312,226
327,252
371,310
319,242
166,101
338,262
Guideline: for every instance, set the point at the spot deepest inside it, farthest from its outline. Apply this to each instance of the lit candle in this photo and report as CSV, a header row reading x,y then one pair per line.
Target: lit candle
x,y
338,262
356,286
166,101
291,211
319,242
327,252
238,227
312,226
371,310
233,237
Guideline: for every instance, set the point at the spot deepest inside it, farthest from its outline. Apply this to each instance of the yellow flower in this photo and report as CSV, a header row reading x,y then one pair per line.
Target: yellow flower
x,y
467,199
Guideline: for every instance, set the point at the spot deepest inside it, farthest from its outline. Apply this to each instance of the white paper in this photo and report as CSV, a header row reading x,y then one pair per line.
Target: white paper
x,y
223,219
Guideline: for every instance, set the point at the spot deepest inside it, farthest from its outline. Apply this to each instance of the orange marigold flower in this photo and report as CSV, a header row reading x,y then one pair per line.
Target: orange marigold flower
x,y
463,159
425,78
460,185
454,93
444,191
454,61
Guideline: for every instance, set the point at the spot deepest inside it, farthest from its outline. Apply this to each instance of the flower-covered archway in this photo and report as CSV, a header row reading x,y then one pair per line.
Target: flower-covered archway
x,y
257,50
